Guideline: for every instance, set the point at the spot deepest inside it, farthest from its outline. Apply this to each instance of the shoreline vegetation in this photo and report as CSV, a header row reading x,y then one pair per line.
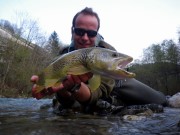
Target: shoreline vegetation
x,y
13,93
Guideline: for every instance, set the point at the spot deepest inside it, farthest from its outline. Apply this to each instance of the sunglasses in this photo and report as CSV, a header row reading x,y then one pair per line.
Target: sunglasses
x,y
81,32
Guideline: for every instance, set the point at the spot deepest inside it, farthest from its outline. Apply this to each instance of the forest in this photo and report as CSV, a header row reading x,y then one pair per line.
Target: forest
x,y
160,67
25,50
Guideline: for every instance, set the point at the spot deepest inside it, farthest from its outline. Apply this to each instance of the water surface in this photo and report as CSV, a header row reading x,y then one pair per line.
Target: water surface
x,y
25,116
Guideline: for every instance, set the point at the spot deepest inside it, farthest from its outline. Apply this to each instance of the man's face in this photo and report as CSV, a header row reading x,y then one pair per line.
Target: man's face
x,y
84,34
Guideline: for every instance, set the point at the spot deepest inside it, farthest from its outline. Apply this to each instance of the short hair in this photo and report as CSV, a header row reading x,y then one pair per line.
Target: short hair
x,y
86,11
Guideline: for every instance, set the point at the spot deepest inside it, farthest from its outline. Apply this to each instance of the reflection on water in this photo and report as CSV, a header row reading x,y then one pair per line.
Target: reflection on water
x,y
25,117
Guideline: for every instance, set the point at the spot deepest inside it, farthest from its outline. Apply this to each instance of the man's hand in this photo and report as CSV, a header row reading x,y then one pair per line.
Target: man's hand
x,y
67,84
72,80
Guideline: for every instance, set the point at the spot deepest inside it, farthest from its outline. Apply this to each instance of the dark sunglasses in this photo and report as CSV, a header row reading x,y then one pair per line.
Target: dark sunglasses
x,y
81,32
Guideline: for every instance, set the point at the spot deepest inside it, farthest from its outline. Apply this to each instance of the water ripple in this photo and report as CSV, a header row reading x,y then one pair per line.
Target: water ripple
x,y
24,116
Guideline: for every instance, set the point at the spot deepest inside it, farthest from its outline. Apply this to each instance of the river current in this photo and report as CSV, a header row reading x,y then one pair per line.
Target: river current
x,y
28,116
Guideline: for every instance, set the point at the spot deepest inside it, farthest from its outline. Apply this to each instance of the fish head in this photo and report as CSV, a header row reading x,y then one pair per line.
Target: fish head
x,y
110,63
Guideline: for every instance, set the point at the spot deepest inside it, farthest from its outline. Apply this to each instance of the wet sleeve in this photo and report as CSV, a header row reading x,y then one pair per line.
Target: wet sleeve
x,y
103,91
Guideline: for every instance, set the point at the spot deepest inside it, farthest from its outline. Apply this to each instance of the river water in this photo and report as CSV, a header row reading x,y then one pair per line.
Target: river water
x,y
27,116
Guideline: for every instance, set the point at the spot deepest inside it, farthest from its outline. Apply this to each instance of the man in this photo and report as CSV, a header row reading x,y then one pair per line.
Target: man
x,y
85,26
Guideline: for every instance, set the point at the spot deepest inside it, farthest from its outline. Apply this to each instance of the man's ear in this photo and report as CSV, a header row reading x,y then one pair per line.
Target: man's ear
x,y
72,30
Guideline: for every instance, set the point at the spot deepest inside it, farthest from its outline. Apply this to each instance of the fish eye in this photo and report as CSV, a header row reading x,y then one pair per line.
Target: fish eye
x,y
114,55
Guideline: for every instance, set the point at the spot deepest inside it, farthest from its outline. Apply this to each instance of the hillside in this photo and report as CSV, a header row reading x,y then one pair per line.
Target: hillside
x,y
5,34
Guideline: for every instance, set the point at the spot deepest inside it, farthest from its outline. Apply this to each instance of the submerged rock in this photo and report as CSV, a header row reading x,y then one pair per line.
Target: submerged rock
x,y
174,101
139,116
137,109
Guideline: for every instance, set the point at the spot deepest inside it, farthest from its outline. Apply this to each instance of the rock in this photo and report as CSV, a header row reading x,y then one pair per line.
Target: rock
x,y
133,117
139,116
174,101
137,109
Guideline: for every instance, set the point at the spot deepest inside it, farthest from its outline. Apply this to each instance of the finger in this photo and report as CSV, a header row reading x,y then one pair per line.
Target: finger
x,y
76,79
58,88
68,82
89,75
34,90
34,79
69,79
35,94
85,77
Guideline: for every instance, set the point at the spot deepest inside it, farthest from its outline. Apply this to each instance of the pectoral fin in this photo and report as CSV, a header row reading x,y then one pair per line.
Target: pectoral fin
x,y
94,82
48,83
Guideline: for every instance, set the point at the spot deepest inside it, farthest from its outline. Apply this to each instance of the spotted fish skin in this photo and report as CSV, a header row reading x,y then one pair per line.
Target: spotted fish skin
x,y
100,61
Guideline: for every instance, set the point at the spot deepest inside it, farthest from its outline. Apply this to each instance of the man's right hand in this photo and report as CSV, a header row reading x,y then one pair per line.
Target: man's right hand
x,y
67,84
72,80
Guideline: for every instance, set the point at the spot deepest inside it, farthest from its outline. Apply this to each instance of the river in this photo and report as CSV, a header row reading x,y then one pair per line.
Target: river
x,y
28,116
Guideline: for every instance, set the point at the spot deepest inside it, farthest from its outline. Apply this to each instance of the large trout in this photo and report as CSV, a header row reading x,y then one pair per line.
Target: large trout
x,y
99,61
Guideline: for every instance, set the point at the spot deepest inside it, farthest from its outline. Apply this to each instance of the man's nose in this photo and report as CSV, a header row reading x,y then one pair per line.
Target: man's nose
x,y
85,36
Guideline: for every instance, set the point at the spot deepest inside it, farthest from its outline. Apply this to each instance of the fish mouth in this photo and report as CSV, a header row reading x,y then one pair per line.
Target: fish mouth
x,y
123,64
122,67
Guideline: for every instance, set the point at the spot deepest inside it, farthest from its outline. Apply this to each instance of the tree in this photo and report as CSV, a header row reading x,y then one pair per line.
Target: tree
x,y
173,52
158,53
20,58
147,56
160,67
53,45
5,24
